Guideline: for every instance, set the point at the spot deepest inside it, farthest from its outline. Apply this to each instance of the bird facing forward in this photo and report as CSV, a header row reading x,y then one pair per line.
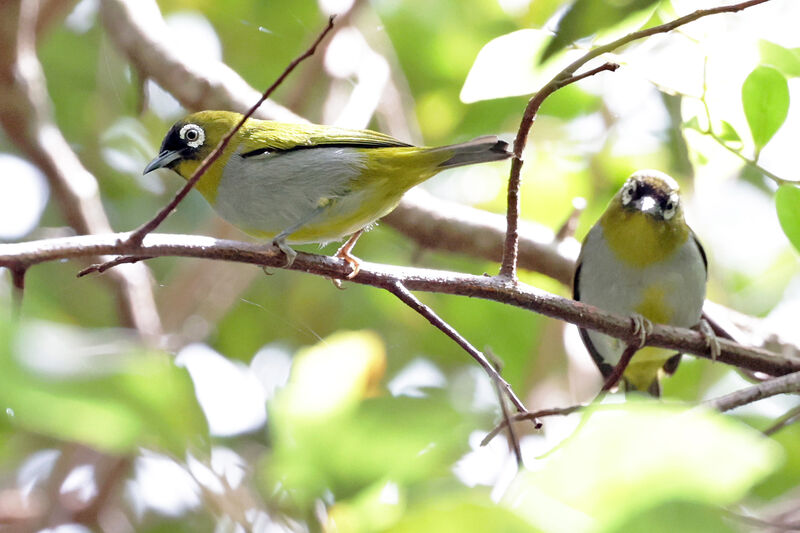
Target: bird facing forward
x,y
642,259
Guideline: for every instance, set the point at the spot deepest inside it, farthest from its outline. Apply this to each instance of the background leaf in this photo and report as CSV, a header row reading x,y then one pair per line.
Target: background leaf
x,y
784,59
587,17
144,401
787,202
765,97
625,459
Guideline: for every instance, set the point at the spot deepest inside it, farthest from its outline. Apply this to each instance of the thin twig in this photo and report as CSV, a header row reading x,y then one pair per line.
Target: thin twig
x,y
18,281
533,415
619,369
509,267
512,433
136,237
398,289
788,418
121,260
790,383
138,30
567,229
762,524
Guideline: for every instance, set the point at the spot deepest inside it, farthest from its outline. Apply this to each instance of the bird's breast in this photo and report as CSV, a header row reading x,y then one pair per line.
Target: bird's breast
x,y
638,239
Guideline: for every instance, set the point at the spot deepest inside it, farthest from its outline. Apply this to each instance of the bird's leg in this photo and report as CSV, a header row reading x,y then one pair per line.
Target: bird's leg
x,y
641,329
280,239
344,253
288,251
710,337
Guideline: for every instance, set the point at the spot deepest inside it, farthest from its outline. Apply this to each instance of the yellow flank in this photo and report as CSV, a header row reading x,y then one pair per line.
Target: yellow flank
x,y
639,239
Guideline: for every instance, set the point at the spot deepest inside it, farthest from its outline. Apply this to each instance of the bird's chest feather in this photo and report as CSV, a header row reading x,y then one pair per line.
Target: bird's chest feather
x,y
638,239
668,289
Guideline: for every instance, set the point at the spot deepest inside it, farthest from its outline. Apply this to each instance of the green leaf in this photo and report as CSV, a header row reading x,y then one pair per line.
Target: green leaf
x,y
728,133
785,60
668,517
324,422
587,17
144,401
787,202
507,66
570,102
400,439
694,123
787,477
765,97
625,459
464,514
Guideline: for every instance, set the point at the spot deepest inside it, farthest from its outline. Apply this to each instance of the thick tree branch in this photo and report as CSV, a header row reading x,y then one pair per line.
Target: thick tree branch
x,y
27,118
520,295
138,30
509,267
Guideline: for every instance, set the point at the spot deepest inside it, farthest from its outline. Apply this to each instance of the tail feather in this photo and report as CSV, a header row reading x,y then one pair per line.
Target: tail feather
x,y
478,150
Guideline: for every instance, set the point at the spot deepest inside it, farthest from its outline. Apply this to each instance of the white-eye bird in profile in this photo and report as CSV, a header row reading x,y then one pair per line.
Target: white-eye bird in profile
x,y
642,259
305,183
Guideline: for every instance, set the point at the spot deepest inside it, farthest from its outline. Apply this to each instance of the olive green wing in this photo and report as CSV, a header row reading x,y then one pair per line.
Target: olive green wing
x,y
265,136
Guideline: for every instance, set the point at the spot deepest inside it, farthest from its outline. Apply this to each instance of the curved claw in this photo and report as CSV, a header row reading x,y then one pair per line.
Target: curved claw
x,y
287,250
641,328
711,339
344,253
354,263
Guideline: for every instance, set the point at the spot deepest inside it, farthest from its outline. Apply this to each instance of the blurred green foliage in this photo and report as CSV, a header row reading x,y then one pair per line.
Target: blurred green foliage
x,y
341,449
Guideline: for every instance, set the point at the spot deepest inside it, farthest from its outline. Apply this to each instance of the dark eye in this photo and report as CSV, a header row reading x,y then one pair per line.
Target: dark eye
x,y
670,206
628,191
193,135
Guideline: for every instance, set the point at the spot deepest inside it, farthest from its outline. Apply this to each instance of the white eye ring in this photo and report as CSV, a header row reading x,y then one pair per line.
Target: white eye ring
x,y
193,135
627,192
671,207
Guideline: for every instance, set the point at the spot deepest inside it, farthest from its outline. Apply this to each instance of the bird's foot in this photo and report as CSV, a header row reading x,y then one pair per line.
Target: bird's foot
x,y
710,337
641,329
344,253
287,250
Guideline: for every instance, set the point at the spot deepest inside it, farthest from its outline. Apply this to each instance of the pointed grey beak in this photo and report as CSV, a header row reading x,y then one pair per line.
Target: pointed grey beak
x,y
162,160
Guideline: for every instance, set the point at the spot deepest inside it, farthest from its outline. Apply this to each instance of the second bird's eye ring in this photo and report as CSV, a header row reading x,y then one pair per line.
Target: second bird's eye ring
x,y
627,192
